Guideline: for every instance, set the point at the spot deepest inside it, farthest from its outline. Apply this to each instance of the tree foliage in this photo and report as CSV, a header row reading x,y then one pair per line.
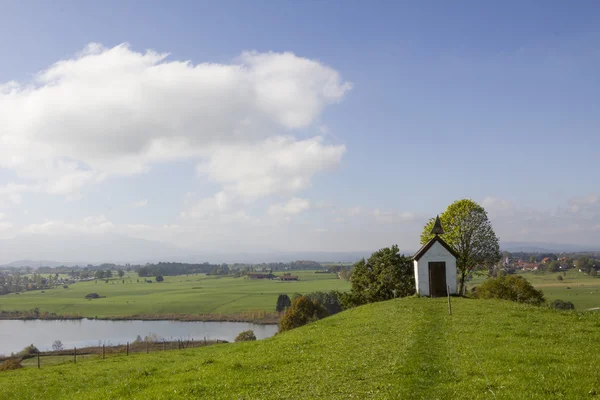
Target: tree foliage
x,y
159,278
283,302
385,275
245,336
329,300
512,287
57,345
470,232
302,311
562,305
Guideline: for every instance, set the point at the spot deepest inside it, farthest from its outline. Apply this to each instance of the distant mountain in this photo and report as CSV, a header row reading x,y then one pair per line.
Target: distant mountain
x,y
84,249
535,247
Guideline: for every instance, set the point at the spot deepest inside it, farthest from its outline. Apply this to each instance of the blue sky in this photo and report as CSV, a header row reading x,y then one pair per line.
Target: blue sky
x,y
406,107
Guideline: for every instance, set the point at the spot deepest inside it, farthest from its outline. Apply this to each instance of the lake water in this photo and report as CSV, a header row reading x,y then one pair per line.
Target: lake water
x,y
17,334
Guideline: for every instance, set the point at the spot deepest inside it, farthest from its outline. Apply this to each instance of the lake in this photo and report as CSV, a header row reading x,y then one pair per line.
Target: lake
x,y
17,334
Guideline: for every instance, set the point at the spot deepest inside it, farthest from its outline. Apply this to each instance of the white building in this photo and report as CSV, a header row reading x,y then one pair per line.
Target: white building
x,y
435,266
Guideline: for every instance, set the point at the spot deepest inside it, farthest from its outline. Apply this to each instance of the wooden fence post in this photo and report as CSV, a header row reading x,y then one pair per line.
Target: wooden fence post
x,y
147,347
127,348
164,345
449,304
74,355
192,343
38,357
103,352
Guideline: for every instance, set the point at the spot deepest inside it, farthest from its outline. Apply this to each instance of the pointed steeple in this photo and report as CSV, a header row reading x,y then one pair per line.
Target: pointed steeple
x,y
437,227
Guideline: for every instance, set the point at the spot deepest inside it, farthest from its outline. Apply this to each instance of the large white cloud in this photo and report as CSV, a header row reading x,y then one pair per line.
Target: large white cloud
x,y
114,111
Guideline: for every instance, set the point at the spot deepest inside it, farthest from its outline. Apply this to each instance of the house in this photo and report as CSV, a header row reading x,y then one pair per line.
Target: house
x,y
288,278
529,266
546,260
260,276
435,266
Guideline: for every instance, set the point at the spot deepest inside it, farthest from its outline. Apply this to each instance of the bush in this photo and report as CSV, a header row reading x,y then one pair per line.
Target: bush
x,y
560,278
28,352
562,305
245,336
283,302
513,288
302,311
159,278
11,363
92,296
384,276
329,300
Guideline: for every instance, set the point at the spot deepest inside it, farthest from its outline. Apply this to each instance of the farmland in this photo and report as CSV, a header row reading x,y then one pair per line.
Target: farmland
x,y
580,289
406,348
190,295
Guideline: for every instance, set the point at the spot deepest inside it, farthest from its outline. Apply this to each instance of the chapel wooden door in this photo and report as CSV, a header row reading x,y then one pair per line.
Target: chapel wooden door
x,y
437,279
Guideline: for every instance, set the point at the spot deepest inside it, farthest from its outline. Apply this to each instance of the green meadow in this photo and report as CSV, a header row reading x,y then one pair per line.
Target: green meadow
x,y
406,348
580,289
177,295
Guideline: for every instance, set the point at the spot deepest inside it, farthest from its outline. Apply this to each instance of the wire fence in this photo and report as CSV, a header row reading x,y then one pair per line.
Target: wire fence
x,y
74,355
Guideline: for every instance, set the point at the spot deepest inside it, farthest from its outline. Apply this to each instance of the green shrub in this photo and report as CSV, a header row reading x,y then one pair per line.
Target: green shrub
x,y
560,278
28,352
302,311
562,305
329,300
245,336
159,278
513,288
11,363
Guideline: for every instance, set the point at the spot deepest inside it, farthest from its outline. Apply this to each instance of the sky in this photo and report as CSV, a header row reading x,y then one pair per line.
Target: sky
x,y
298,126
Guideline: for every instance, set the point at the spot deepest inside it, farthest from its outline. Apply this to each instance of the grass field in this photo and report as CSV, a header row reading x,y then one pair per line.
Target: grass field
x,y
409,348
580,289
189,294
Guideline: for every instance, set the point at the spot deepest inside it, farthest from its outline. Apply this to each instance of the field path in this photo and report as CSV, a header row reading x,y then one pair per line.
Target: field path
x,y
428,364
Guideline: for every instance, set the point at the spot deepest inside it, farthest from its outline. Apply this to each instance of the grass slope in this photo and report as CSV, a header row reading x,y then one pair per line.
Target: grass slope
x,y
409,348
189,294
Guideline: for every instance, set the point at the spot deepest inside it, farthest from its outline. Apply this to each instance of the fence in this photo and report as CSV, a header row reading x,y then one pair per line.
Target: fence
x,y
103,351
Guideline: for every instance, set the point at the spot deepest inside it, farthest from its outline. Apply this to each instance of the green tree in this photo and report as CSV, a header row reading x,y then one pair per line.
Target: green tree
x,y
385,275
552,266
283,302
470,232
302,311
121,273
245,336
584,264
108,273
159,278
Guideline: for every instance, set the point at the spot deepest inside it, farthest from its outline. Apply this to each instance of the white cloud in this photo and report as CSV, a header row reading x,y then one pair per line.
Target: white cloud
x,y
574,222
275,165
114,111
140,203
91,224
292,207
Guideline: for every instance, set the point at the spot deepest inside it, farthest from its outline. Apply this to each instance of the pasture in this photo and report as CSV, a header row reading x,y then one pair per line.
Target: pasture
x,y
405,348
177,295
580,289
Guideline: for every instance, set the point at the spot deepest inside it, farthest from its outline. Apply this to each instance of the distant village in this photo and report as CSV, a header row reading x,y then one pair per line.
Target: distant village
x,y
584,263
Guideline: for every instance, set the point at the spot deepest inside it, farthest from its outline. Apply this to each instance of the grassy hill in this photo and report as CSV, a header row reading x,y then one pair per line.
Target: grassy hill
x,y
409,348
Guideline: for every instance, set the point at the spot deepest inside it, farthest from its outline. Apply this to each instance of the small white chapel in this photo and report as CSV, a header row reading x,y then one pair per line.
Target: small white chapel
x,y
435,266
